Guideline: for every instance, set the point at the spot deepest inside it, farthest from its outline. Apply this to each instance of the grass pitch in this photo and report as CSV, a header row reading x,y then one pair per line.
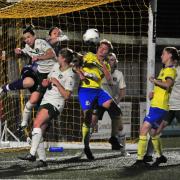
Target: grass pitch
x,y
107,165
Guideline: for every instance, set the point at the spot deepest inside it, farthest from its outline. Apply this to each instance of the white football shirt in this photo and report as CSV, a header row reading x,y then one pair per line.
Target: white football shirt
x,y
40,47
118,83
66,79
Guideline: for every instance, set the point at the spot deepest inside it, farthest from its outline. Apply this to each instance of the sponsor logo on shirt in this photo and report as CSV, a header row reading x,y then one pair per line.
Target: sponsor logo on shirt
x,y
60,76
114,78
37,50
87,103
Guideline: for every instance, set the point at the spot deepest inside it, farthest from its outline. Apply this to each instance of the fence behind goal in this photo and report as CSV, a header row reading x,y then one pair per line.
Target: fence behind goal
x,y
123,22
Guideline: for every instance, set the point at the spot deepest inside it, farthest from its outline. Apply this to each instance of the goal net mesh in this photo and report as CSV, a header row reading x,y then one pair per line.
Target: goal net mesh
x,y
123,22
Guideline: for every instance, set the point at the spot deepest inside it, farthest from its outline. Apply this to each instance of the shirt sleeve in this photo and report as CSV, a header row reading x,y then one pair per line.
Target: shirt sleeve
x,y
45,46
122,83
53,69
170,73
26,50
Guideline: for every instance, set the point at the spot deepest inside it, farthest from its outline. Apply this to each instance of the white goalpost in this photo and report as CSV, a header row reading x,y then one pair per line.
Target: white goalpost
x,y
151,49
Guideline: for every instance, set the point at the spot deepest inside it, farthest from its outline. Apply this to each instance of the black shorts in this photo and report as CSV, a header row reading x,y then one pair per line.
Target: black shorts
x,y
171,115
27,71
40,88
52,110
38,77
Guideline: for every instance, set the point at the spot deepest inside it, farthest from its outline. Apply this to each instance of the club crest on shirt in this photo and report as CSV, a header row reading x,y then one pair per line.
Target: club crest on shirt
x,y
60,76
37,50
87,103
114,78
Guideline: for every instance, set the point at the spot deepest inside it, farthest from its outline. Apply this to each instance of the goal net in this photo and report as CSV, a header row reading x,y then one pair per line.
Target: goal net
x,y
123,22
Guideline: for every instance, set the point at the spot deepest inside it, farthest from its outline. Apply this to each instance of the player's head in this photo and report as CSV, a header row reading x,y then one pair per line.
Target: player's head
x,y
29,29
169,54
55,32
112,59
66,55
29,35
105,47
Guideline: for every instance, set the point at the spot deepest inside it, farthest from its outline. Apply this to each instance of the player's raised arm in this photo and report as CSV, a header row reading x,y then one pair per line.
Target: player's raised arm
x,y
49,54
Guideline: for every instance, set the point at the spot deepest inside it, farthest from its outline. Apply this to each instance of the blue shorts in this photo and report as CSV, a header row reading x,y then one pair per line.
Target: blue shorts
x,y
88,96
155,116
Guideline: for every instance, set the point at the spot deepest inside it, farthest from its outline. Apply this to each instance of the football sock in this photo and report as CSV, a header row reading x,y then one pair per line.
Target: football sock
x,y
116,126
26,113
85,135
157,145
142,144
41,150
15,85
122,139
36,139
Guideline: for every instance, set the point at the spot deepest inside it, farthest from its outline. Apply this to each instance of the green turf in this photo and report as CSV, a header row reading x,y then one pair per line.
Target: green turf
x,y
107,165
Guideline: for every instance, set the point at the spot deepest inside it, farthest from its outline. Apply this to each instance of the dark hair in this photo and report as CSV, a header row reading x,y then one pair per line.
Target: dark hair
x,y
29,29
68,54
173,51
50,31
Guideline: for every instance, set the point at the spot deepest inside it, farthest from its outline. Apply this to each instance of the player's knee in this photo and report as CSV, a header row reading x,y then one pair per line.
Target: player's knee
x,y
35,98
145,129
155,136
107,104
28,82
153,133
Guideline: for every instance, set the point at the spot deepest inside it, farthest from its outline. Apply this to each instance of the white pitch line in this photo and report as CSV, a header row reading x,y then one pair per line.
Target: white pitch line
x,y
16,160
58,158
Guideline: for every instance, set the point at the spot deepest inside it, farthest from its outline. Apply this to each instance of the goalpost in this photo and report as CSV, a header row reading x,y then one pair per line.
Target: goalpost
x,y
123,22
